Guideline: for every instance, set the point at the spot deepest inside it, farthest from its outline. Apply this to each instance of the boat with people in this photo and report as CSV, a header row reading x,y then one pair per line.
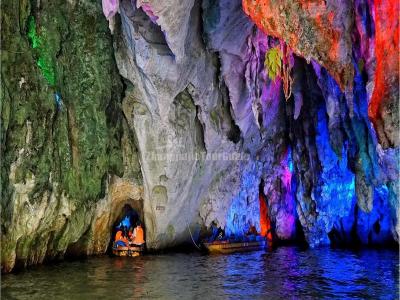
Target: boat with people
x,y
131,250
227,247
250,240
128,241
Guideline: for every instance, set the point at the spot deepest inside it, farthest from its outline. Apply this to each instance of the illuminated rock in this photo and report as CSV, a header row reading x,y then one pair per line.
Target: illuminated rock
x,y
383,108
110,8
178,115
313,29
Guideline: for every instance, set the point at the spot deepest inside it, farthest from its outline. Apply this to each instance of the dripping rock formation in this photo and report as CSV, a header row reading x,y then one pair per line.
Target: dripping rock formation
x,y
193,113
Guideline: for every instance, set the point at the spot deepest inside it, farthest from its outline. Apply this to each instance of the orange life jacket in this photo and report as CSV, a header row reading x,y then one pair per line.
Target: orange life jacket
x,y
118,235
139,237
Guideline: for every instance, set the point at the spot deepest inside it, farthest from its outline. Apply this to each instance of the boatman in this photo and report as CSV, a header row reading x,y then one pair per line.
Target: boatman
x,y
121,239
138,235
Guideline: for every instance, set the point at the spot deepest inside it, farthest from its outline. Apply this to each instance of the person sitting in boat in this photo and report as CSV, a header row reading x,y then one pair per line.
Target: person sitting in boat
x,y
214,232
121,239
221,234
252,230
130,233
126,232
218,234
138,235
251,233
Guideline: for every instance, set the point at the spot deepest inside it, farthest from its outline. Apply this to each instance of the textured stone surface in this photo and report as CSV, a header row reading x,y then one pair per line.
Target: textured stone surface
x,y
180,110
56,156
338,39
384,104
313,29
177,115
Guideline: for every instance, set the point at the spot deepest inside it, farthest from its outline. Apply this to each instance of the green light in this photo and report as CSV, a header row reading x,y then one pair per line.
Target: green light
x,y
45,61
47,69
273,62
33,38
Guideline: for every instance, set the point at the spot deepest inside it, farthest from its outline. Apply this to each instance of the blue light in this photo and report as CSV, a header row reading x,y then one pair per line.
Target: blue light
x,y
58,100
290,160
245,207
125,222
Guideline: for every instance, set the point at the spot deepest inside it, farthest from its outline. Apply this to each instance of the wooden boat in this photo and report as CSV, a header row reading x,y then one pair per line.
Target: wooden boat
x,y
130,251
226,247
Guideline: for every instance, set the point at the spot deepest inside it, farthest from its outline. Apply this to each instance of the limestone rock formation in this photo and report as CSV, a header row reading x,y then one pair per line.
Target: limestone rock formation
x,y
62,129
187,111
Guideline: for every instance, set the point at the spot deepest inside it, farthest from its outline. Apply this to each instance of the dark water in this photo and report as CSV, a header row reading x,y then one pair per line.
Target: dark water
x,y
285,273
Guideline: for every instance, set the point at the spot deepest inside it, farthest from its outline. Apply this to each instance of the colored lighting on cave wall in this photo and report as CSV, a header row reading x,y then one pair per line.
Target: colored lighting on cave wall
x,y
386,52
335,193
40,43
265,222
377,23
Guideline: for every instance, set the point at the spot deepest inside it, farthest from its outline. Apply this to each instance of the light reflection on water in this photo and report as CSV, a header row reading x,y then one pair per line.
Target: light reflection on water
x,y
285,273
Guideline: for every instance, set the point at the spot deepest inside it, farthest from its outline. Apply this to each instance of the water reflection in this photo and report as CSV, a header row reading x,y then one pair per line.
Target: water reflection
x,y
284,273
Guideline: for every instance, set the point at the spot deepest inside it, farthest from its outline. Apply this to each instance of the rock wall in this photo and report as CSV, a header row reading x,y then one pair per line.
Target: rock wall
x,y
183,110
177,107
62,131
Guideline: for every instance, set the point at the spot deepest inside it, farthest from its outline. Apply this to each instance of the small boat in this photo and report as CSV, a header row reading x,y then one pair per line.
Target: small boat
x,y
131,251
226,247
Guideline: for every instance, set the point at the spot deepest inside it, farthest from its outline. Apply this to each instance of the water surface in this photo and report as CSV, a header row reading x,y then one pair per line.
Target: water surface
x,y
285,273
